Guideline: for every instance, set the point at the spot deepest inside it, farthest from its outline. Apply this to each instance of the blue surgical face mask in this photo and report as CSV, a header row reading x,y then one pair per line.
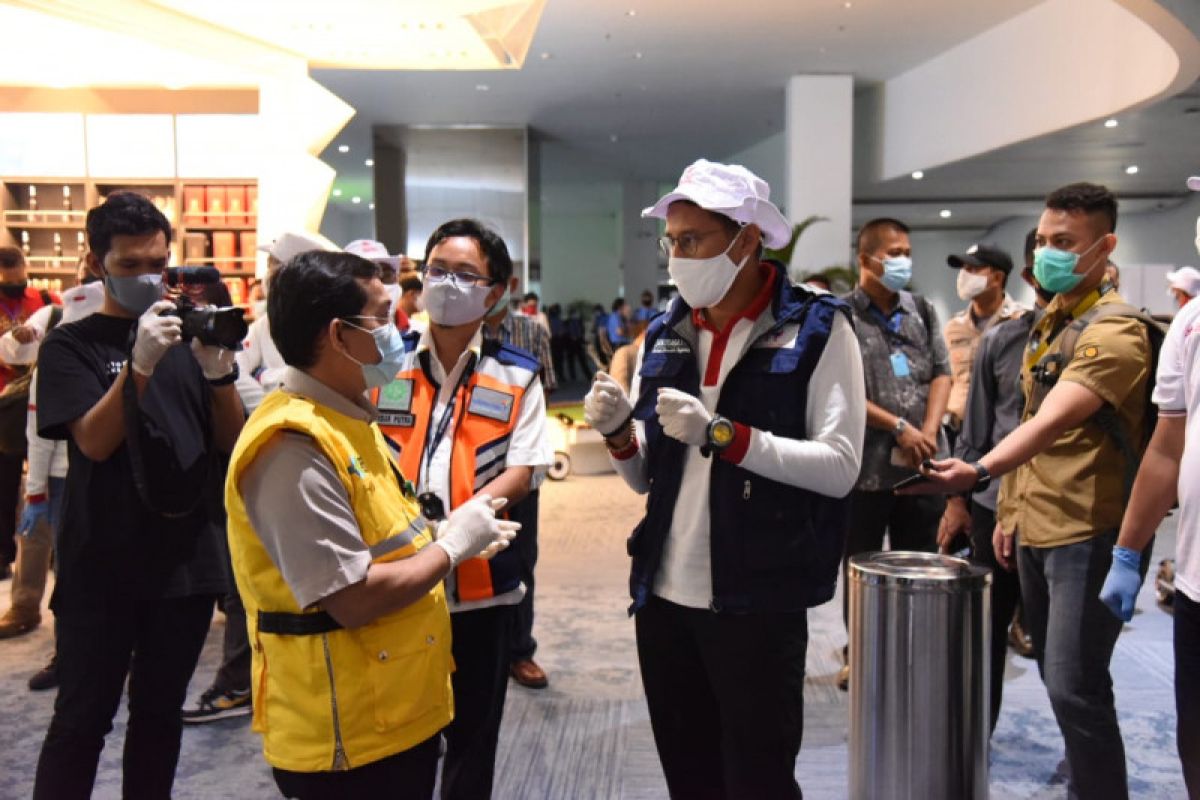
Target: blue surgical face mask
x,y
134,293
897,272
1055,268
390,345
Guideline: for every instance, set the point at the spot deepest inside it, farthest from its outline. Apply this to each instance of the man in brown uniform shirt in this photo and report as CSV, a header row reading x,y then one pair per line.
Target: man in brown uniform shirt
x,y
1064,498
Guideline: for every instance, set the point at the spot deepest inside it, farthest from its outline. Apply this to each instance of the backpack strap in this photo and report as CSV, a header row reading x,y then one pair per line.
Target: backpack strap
x,y
47,300
1048,370
56,315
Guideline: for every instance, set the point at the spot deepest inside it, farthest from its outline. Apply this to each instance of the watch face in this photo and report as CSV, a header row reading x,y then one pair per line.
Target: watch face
x,y
723,433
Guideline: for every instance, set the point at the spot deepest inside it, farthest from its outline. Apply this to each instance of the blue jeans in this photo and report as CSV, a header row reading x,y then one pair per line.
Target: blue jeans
x,y
1074,635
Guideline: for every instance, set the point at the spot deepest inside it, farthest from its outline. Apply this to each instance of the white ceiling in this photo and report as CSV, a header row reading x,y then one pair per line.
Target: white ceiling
x,y
639,89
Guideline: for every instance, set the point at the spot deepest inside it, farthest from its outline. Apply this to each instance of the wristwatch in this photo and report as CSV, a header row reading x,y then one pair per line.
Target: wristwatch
x,y
720,434
985,477
901,426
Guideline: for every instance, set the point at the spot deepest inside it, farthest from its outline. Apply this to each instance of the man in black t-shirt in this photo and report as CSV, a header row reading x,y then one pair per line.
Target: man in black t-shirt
x,y
143,419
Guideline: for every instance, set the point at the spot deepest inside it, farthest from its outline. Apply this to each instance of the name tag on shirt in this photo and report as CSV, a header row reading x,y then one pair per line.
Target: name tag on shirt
x,y
398,420
396,396
491,403
900,365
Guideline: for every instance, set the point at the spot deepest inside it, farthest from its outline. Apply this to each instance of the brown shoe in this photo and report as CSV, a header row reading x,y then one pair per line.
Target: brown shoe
x,y
17,624
527,673
1020,641
843,678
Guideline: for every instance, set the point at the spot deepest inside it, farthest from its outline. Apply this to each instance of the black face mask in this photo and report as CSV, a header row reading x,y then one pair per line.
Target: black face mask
x,y
13,290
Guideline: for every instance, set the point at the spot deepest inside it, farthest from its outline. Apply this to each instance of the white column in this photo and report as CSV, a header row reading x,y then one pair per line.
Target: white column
x,y
820,171
639,240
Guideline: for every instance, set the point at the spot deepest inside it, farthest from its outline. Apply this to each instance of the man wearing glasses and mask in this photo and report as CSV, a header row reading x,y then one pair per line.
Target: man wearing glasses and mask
x,y
744,428
469,417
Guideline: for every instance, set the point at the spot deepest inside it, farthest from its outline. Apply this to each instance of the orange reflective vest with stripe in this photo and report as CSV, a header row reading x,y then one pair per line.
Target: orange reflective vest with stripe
x,y
486,410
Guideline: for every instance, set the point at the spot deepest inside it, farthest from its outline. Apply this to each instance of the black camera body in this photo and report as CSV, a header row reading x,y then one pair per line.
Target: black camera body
x,y
192,276
224,327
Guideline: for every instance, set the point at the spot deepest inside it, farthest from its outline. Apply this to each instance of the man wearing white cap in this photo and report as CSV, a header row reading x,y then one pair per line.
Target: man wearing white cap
x,y
744,426
1184,284
259,357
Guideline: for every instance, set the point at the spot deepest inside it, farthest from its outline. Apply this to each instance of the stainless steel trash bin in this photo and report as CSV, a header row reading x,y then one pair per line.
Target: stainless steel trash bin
x,y
919,643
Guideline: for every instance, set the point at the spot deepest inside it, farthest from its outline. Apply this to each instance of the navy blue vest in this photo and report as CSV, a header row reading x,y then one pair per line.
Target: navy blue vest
x,y
774,547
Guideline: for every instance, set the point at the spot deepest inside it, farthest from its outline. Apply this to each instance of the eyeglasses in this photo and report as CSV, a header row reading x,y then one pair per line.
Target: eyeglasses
x,y
685,245
462,280
379,321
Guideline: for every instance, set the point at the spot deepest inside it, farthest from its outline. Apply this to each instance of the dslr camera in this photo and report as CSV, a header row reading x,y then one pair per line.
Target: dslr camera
x,y
224,327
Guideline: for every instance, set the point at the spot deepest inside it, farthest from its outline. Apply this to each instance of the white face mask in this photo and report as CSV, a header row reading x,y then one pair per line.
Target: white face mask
x,y
449,305
703,282
970,285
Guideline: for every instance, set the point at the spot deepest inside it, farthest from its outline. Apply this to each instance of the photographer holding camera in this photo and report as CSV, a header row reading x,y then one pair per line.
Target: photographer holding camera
x,y
143,419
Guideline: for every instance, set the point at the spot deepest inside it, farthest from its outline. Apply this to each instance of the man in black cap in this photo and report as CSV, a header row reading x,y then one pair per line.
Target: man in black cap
x,y
982,274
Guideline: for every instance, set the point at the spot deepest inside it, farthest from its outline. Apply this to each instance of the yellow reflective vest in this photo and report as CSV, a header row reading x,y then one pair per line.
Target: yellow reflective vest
x,y
342,698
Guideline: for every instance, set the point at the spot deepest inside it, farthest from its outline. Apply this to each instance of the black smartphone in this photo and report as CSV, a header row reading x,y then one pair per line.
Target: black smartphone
x,y
911,480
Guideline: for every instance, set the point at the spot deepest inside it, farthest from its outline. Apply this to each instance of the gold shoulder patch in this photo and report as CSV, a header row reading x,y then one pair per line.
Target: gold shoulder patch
x,y
1091,351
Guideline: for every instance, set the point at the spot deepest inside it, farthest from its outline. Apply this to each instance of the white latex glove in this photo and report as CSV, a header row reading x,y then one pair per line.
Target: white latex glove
x,y
216,361
155,335
472,530
606,406
683,417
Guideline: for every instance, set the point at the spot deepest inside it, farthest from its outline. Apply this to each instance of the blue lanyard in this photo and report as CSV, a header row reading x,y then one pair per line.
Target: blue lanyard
x,y
443,425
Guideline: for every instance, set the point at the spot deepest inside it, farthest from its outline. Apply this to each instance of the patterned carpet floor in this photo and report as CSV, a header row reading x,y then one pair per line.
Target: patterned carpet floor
x,y
588,736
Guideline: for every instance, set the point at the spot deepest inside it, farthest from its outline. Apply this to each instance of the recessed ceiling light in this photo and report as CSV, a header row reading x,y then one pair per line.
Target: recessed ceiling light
x,y
370,162
847,4
337,192
482,87
371,206
631,12
917,175
547,56
343,148
1111,123
356,200
613,138
944,213
1132,169
638,55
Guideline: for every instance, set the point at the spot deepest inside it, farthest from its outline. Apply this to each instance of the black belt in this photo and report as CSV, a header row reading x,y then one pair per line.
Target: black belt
x,y
288,624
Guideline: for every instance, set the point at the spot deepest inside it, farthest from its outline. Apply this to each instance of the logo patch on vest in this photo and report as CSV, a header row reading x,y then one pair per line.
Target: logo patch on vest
x,y
671,345
491,403
397,420
783,338
397,396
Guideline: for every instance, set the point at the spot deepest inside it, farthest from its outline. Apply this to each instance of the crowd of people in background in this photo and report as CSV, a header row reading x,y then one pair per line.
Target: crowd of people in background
x,y
1027,425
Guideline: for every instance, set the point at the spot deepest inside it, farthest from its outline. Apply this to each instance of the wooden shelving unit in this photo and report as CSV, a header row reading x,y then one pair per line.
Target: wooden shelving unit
x,y
52,234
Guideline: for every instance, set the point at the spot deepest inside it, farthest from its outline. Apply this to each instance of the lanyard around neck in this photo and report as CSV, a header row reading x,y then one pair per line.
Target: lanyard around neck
x,y
443,423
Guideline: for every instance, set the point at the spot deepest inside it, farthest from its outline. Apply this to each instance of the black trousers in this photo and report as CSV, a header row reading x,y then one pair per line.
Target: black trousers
x,y
409,775
726,699
1006,596
526,547
1187,689
910,522
11,465
481,646
234,673
156,643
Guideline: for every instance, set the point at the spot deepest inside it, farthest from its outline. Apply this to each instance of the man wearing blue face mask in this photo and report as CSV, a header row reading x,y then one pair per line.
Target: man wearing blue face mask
x,y
907,369
141,416
469,415
1072,461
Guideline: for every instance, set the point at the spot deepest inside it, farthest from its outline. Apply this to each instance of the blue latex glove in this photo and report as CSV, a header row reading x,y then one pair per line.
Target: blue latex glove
x,y
33,513
1121,586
